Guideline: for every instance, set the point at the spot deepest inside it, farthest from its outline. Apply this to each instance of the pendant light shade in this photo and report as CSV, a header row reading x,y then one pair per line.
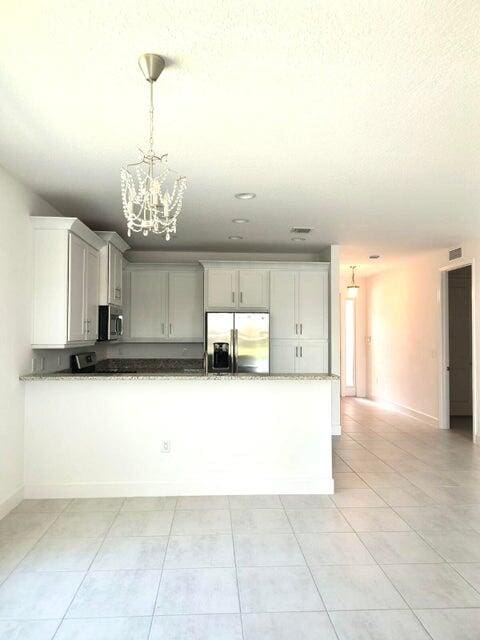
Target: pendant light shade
x,y
353,289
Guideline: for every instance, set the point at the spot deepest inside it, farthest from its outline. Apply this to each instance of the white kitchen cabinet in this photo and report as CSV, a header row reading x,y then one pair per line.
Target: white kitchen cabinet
x,y
282,356
312,356
163,304
115,270
111,269
91,295
299,356
236,289
299,304
82,291
312,315
283,308
185,305
66,282
253,289
148,304
221,287
77,267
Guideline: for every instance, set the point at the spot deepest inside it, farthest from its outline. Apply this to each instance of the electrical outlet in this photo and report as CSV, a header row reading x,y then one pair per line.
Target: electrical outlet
x,y
166,446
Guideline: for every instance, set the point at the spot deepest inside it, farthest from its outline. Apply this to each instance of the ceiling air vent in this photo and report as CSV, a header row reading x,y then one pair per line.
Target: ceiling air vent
x,y
301,230
455,253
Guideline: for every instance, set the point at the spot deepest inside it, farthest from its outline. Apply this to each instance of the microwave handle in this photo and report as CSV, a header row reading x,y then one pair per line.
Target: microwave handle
x,y
119,326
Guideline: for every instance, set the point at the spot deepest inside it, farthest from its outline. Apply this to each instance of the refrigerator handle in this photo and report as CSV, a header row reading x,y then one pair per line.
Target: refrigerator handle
x,y
235,351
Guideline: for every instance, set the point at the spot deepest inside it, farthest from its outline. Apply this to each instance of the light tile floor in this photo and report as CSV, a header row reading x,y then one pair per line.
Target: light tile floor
x,y
393,555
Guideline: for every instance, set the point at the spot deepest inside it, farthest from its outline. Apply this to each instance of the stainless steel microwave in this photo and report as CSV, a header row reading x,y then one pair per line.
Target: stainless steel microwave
x,y
110,322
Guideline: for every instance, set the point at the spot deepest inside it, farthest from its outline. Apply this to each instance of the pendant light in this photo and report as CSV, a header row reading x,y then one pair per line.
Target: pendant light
x,y
353,289
152,193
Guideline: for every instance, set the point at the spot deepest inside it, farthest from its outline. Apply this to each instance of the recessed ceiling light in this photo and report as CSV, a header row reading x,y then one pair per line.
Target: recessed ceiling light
x,y
240,220
235,238
245,195
374,257
298,239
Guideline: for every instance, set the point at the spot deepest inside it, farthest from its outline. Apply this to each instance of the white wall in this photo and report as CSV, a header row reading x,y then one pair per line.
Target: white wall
x,y
17,203
277,440
404,322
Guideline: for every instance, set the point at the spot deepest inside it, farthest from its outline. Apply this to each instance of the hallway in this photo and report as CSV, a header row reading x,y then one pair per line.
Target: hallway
x,y
412,495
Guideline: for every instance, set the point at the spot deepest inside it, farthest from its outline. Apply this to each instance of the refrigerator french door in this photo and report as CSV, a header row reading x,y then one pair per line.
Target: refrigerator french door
x,y
237,342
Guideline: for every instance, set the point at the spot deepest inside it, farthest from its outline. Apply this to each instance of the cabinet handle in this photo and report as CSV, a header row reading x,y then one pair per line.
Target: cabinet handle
x,y
163,327
301,329
301,352
170,329
296,352
296,329
241,296
233,296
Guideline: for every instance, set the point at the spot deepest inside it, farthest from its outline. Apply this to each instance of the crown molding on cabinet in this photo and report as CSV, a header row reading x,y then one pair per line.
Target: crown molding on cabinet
x,y
113,238
240,264
74,225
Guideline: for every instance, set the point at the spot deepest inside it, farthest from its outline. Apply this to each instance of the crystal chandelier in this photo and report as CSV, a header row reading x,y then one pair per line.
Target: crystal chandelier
x,y
152,193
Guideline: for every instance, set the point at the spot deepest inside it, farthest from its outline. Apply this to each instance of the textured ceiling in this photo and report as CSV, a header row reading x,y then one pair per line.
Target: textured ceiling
x,y
358,118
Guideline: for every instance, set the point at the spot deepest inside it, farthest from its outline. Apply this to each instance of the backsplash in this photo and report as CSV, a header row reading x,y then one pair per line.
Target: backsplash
x,y
51,360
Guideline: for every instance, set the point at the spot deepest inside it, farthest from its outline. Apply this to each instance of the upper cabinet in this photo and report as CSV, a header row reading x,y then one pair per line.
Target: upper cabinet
x,y
185,305
111,268
229,288
299,303
165,303
66,283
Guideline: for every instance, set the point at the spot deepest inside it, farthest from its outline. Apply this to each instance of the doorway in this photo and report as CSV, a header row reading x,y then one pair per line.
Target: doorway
x,y
350,388
460,340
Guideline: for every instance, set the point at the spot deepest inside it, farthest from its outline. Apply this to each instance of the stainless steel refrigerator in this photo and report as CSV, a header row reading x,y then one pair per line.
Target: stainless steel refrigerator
x,y
237,342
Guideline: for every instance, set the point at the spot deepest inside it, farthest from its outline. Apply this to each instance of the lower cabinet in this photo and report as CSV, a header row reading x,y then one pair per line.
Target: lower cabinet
x,y
299,356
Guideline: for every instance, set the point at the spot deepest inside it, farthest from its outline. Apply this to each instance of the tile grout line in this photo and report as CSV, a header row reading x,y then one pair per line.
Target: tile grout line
x,y
236,569
103,538
311,575
162,569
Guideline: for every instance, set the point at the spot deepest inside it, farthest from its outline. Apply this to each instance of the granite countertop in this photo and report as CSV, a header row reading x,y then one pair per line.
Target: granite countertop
x,y
176,375
164,369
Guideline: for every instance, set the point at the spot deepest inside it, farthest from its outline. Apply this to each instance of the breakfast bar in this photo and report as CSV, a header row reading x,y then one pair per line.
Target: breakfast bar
x,y
177,433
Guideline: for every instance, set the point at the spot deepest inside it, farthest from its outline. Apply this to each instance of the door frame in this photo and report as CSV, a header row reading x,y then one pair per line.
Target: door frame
x,y
443,361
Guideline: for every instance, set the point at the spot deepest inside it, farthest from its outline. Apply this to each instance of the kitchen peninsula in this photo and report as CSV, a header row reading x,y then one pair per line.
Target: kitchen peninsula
x,y
177,434
262,422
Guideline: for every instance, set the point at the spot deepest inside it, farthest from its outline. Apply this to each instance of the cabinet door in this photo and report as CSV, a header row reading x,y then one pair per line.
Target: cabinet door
x,y
313,304
115,269
282,304
282,356
221,289
76,289
185,305
253,288
91,312
148,312
312,356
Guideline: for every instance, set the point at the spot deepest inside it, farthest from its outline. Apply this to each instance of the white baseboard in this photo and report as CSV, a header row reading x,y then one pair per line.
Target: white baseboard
x,y
192,487
11,502
336,429
408,411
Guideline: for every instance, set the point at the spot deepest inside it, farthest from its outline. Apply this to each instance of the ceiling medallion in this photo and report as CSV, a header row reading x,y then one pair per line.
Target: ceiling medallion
x,y
152,193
